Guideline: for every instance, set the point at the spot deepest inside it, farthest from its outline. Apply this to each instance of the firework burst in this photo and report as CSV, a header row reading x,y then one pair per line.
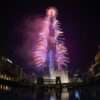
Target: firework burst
x,y
49,49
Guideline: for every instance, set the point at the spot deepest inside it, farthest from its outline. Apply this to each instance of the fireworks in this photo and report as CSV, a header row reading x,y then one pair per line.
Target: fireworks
x,y
51,12
49,50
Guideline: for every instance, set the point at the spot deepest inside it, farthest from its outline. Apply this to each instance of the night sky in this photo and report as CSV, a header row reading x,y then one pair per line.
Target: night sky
x,y
79,20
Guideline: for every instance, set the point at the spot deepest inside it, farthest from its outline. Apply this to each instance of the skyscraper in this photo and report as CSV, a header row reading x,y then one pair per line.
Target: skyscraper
x,y
50,52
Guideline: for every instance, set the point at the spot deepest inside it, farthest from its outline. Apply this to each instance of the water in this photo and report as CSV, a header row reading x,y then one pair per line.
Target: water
x,y
83,93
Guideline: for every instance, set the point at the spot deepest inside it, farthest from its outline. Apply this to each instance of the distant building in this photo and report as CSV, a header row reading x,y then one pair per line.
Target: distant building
x,y
95,68
9,70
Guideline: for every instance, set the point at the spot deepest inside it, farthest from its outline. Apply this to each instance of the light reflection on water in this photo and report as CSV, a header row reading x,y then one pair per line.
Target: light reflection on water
x,y
52,98
42,94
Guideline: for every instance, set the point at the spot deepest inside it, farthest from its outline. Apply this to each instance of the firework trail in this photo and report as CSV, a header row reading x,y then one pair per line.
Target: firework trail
x,y
49,50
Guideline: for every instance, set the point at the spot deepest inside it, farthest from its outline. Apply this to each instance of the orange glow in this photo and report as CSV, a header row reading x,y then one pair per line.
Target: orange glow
x,y
52,12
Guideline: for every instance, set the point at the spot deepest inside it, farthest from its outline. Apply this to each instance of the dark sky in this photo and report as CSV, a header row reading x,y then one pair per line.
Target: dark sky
x,y
79,20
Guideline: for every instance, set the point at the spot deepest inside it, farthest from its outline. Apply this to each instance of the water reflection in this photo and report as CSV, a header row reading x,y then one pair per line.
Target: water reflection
x,y
42,93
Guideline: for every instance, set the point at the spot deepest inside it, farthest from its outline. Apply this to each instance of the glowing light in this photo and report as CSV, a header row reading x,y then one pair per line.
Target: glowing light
x,y
7,60
77,94
5,77
4,87
51,12
49,50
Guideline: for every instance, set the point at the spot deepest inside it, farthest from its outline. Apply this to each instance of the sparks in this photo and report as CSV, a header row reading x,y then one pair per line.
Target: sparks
x,y
49,49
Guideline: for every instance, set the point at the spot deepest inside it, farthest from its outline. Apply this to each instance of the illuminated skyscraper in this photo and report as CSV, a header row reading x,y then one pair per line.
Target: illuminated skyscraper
x,y
50,51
